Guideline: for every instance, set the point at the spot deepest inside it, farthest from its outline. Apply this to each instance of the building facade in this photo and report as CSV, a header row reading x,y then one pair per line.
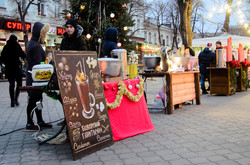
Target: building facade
x,y
43,11
145,33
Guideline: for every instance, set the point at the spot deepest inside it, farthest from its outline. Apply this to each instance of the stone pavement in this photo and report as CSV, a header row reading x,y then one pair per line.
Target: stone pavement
x,y
217,132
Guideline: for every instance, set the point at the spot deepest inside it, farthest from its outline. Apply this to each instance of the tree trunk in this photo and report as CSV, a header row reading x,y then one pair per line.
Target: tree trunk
x,y
189,27
227,19
159,34
185,28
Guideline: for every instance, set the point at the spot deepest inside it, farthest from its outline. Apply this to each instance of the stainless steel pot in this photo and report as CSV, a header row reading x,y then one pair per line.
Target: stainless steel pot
x,y
151,62
110,66
180,61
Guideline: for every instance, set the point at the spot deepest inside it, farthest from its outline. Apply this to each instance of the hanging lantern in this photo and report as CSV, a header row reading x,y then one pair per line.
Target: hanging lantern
x,y
125,28
68,15
119,44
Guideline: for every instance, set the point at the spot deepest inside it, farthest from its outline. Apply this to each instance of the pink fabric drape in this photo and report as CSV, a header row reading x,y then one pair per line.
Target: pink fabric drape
x,y
130,118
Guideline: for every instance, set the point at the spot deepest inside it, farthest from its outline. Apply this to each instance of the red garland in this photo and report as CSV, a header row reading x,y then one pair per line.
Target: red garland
x,y
234,63
245,63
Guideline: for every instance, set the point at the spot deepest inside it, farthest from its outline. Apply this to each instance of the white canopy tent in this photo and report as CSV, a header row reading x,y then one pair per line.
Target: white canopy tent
x,y
202,42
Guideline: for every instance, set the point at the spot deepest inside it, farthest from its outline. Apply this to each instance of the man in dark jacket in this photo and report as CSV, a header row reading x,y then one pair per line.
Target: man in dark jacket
x,y
35,55
205,58
11,54
72,37
111,41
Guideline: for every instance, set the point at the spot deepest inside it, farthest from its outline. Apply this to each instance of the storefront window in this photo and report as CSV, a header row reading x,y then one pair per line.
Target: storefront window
x,y
149,37
161,39
138,23
57,11
167,40
155,38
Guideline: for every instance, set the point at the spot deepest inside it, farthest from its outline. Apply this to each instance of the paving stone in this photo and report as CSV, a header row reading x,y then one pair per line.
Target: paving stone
x,y
198,160
109,157
151,159
127,155
192,135
216,158
113,162
50,162
180,162
133,161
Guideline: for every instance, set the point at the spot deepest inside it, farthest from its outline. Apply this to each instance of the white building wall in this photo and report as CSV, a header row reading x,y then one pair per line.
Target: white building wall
x,y
8,10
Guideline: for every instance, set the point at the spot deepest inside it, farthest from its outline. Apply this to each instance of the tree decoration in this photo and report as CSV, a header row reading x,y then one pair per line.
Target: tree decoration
x,y
122,90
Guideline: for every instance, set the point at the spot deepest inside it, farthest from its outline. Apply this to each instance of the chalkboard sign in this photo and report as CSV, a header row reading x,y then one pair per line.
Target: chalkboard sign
x,y
83,101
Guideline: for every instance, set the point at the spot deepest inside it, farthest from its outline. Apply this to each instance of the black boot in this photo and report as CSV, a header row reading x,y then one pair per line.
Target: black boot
x,y
12,104
16,96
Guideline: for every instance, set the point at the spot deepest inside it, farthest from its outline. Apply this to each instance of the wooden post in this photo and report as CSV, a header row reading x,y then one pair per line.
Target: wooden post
x,y
197,88
169,94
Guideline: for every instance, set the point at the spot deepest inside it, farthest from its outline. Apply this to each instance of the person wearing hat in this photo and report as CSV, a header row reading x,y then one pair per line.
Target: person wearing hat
x,y
205,58
218,45
35,55
72,37
11,54
111,41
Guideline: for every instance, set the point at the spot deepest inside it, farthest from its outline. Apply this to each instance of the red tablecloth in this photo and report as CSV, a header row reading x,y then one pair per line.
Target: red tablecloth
x,y
130,118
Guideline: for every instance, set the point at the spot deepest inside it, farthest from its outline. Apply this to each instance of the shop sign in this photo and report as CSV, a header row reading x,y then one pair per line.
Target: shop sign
x,y
83,100
14,25
60,31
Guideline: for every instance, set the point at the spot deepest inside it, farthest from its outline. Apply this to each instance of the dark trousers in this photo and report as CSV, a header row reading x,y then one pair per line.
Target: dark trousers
x,y
34,96
203,79
14,93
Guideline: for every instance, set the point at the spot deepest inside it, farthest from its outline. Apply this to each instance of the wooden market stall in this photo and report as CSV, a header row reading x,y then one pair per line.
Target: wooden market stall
x,y
180,87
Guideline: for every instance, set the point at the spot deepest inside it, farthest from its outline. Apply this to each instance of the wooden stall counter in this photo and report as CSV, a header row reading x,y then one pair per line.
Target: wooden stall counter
x,y
180,87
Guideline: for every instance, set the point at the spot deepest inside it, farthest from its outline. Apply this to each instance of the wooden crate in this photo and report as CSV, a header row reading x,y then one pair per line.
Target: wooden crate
x,y
221,81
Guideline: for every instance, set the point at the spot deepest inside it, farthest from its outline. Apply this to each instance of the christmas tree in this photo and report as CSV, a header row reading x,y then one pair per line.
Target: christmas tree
x,y
96,16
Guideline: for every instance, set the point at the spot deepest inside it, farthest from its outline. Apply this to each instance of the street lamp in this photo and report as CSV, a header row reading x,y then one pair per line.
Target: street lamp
x,y
88,36
112,15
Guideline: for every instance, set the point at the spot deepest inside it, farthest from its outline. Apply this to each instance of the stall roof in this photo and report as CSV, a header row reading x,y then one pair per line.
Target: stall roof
x,y
202,42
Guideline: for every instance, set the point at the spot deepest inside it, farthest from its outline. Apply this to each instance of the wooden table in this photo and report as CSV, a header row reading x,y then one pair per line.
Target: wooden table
x,y
180,87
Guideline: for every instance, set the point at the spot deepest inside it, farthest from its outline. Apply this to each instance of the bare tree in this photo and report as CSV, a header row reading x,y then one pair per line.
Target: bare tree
x,y
185,9
174,19
227,18
197,5
158,14
137,8
23,6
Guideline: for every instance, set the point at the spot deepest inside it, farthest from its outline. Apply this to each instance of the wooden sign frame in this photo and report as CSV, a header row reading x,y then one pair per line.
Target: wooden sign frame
x,y
83,100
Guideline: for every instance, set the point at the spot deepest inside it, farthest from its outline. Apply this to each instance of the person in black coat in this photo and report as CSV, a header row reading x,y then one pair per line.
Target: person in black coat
x,y
72,37
111,41
205,58
35,55
11,54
